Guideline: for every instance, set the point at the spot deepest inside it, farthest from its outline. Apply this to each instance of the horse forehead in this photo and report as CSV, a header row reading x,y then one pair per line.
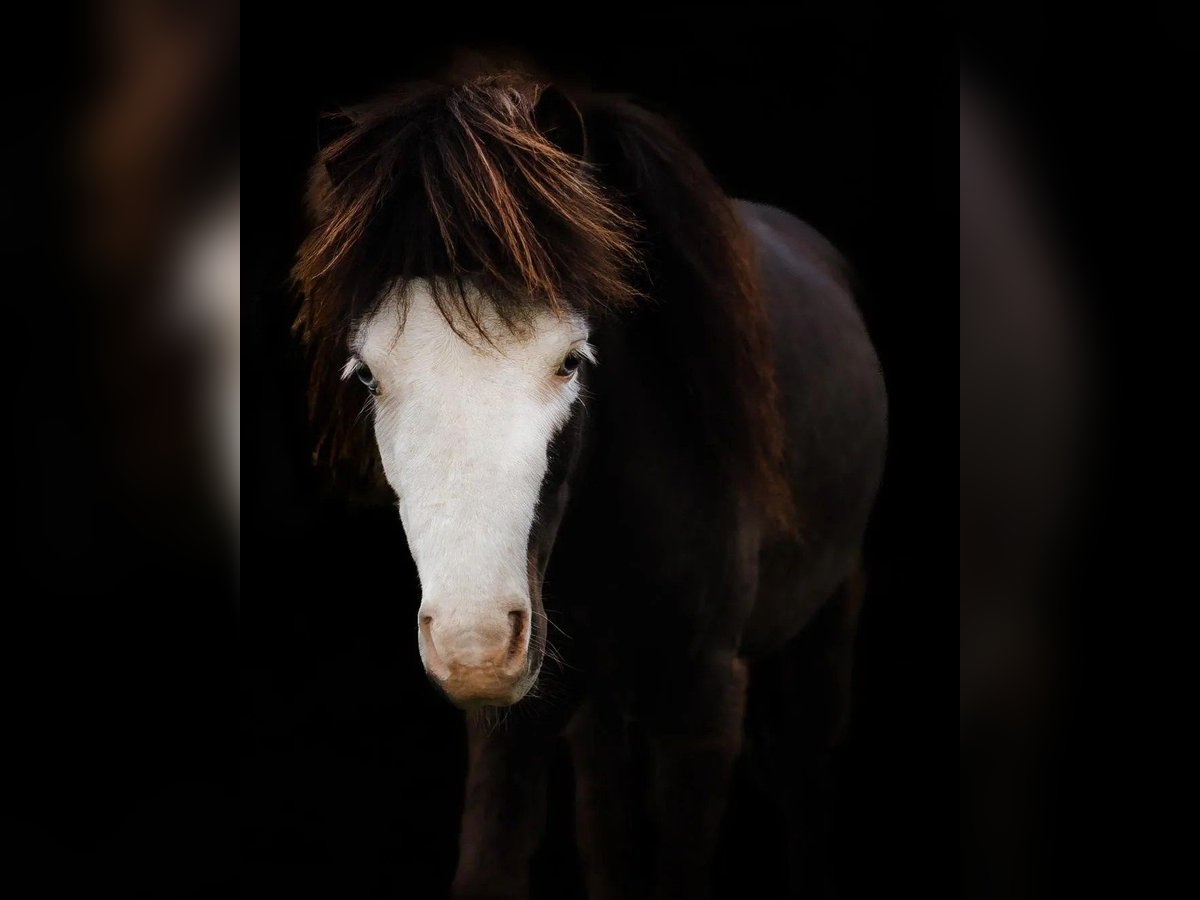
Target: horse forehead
x,y
421,342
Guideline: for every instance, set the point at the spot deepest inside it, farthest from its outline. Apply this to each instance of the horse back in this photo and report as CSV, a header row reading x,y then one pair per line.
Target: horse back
x,y
834,407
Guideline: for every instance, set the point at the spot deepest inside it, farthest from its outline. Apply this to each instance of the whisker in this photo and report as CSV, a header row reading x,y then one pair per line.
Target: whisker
x,y
546,618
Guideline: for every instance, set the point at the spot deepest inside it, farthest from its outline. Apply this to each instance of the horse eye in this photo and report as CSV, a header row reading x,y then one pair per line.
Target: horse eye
x,y
365,376
570,364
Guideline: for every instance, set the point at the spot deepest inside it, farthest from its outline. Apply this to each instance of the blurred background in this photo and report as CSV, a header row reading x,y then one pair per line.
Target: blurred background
x,y
119,618
1076,178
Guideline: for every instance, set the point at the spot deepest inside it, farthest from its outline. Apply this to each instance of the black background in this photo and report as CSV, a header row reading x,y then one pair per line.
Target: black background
x,y
350,760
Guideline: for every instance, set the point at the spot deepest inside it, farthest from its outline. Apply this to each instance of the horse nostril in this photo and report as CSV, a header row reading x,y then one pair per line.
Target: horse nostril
x,y
519,622
433,659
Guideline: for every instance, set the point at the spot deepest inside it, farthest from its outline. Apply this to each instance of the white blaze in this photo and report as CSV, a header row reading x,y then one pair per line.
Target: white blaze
x,y
463,432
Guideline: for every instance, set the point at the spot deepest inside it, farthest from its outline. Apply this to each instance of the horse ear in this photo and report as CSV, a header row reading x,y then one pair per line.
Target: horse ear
x,y
330,127
559,119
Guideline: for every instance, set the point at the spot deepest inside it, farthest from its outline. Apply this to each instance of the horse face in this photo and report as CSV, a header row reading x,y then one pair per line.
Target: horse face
x,y
464,431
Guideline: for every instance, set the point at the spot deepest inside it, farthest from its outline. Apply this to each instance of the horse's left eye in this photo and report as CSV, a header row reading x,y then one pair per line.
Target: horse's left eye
x,y
365,376
570,364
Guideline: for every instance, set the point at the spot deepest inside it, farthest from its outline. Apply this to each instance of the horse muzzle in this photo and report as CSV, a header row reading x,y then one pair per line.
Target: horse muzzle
x,y
477,660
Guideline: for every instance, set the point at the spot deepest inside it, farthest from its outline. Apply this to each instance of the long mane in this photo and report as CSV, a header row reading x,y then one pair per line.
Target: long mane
x,y
455,182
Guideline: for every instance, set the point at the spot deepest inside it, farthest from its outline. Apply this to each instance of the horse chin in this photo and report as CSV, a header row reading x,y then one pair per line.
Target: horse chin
x,y
510,697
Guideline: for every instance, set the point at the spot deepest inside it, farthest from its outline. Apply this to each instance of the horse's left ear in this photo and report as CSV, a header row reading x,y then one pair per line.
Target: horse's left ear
x,y
559,119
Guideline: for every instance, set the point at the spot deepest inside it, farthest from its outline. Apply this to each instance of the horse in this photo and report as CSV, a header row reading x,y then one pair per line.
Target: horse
x,y
634,430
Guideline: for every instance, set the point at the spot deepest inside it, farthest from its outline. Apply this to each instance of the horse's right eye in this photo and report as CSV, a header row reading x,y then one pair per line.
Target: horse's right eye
x,y
368,380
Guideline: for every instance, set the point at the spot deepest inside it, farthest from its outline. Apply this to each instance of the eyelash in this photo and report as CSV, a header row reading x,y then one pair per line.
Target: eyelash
x,y
579,353
357,368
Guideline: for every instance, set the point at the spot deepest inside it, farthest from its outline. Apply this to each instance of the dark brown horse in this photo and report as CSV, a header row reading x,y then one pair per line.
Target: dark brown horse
x,y
600,387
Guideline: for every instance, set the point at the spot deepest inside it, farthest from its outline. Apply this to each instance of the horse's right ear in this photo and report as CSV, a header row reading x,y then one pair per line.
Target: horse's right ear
x,y
560,121
330,127
325,172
